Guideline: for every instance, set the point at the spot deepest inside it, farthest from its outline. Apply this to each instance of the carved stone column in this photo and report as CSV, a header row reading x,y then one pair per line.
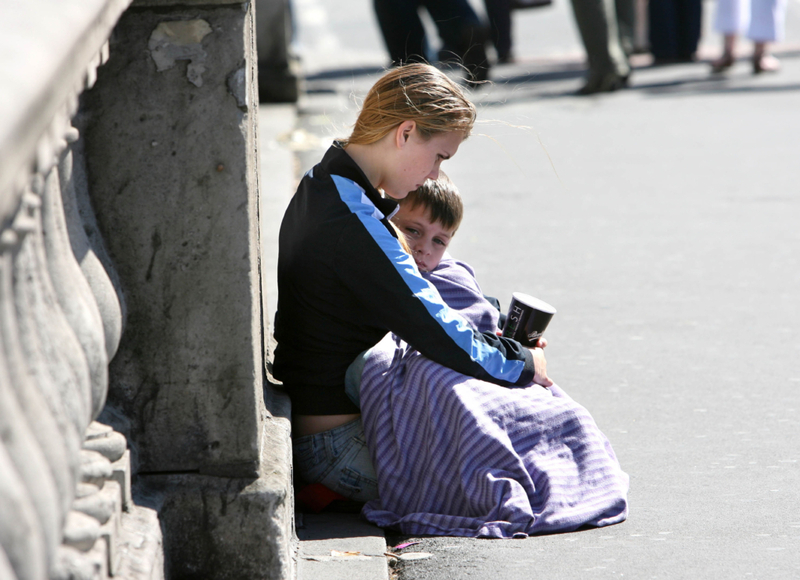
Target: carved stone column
x,y
171,151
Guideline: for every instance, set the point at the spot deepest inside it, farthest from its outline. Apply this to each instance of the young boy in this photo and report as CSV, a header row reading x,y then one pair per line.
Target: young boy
x,y
429,218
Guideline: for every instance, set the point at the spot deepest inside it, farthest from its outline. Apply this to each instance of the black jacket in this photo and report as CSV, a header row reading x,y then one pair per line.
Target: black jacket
x,y
344,281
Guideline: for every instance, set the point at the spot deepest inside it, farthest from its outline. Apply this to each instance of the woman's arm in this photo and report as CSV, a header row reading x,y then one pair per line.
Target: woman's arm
x,y
458,287
385,279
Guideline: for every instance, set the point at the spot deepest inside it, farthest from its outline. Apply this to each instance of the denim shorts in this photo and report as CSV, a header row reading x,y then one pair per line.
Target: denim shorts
x,y
339,460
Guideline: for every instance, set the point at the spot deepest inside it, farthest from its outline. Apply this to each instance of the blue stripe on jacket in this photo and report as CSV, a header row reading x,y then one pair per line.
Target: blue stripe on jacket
x,y
489,358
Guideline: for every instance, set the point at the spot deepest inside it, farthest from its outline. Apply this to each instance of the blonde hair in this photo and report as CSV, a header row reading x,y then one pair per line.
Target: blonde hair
x,y
440,198
413,92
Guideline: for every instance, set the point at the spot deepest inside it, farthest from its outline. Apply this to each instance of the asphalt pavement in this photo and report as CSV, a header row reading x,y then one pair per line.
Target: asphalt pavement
x,y
663,222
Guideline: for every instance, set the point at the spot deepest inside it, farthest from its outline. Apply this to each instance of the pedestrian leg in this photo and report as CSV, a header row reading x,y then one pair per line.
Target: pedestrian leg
x,y
402,30
608,66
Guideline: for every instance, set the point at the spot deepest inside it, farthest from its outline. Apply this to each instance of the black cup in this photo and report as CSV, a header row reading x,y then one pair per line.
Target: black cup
x,y
527,319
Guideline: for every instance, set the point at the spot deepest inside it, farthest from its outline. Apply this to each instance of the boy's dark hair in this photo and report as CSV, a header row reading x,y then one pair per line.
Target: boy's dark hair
x,y
441,199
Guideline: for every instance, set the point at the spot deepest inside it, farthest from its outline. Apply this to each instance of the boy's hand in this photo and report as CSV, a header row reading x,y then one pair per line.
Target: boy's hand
x,y
540,364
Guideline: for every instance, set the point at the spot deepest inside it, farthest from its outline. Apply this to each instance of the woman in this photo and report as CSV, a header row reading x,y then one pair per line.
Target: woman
x,y
344,279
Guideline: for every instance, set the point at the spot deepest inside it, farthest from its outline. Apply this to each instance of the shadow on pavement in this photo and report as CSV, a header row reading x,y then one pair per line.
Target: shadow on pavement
x,y
650,79
523,86
332,526
343,73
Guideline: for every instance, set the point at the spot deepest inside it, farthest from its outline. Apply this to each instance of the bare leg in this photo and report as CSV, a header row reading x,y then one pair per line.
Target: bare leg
x,y
763,61
727,59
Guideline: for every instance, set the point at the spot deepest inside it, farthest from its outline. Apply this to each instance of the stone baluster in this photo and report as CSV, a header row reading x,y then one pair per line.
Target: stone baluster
x,y
21,536
42,331
33,406
88,246
54,354
71,288
24,450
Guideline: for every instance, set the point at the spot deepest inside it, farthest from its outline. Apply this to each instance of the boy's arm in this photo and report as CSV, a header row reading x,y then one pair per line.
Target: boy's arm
x,y
501,321
458,287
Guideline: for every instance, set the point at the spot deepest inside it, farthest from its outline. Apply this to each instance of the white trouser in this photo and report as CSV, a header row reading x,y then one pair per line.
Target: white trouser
x,y
761,19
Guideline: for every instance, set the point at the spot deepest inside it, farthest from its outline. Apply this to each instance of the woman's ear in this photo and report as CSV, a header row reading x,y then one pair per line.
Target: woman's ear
x,y
403,132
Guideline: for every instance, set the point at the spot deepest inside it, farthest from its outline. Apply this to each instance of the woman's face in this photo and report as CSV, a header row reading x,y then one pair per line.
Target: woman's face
x,y
419,159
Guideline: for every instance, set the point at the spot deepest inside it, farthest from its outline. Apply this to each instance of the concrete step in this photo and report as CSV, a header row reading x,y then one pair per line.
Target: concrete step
x,y
336,546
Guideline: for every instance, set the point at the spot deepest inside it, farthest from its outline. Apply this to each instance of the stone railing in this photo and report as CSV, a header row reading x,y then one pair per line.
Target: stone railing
x,y
131,324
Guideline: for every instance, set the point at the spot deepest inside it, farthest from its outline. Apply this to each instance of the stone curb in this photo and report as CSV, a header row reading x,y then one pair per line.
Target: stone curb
x,y
340,547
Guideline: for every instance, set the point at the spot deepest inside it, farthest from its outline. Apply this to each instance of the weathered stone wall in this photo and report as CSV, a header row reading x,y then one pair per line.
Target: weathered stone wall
x,y
174,113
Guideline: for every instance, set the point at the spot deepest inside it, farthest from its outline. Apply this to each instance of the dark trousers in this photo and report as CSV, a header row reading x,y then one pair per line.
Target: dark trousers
x,y
499,14
674,28
457,23
606,28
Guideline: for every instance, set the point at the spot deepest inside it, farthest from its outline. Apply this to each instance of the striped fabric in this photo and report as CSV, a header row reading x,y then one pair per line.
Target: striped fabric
x,y
459,456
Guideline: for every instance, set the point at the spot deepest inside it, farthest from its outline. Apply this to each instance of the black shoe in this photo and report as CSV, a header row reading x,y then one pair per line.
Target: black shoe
x,y
604,84
507,58
723,63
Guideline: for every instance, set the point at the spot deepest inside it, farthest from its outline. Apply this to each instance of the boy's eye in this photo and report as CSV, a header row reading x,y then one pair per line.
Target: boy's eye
x,y
440,242
412,231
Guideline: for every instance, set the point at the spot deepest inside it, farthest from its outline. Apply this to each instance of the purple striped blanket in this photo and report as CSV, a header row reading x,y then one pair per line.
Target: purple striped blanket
x,y
462,457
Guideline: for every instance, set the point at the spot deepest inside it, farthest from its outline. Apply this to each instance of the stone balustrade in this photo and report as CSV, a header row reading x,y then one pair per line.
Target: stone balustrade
x,y
138,437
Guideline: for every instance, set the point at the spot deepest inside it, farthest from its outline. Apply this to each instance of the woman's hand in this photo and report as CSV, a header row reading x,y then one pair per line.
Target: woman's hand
x,y
540,364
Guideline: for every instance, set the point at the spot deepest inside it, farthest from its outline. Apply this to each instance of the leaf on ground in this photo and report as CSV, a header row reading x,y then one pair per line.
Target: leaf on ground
x,y
338,554
405,545
414,556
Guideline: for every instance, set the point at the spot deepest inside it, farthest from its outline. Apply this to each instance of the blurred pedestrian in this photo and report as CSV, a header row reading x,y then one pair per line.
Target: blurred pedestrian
x,y
606,28
674,29
764,22
498,12
462,33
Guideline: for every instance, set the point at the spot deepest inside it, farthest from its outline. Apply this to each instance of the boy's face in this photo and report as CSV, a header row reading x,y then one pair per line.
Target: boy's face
x,y
428,240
